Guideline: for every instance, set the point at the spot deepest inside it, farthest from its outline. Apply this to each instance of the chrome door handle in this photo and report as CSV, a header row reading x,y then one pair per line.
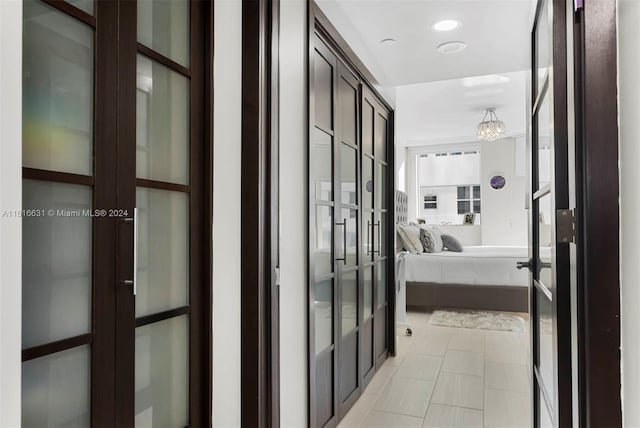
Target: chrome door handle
x,y
133,282
374,225
135,251
523,265
344,240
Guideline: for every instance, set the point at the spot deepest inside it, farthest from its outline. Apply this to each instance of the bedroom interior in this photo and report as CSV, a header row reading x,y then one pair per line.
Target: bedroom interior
x,y
457,119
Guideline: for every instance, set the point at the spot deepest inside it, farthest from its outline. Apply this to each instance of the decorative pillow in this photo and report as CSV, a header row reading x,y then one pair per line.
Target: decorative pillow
x,y
410,237
451,243
428,241
437,238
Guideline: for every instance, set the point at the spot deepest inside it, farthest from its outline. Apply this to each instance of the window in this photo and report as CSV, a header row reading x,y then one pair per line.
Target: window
x,y
468,199
431,202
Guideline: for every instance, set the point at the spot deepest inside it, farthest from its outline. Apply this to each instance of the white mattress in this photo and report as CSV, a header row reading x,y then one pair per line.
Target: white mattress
x,y
474,266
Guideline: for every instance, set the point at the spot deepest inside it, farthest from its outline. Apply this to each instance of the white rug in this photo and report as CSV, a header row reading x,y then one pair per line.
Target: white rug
x,y
480,320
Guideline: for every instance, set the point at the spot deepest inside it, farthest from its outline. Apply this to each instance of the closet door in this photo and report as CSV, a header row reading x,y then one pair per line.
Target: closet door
x,y
376,130
323,214
115,278
347,224
161,299
62,257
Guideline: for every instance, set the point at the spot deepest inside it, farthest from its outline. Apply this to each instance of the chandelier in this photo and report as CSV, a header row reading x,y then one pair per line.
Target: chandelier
x,y
490,128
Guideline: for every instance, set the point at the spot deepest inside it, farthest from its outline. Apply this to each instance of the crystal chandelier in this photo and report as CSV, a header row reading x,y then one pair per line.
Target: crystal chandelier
x,y
490,128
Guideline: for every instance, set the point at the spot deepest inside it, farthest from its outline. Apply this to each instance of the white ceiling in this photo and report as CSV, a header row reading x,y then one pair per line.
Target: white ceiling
x,y
496,33
448,111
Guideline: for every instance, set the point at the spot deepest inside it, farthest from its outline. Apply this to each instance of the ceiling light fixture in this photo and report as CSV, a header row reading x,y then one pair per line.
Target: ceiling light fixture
x,y
490,129
446,25
491,79
451,47
387,42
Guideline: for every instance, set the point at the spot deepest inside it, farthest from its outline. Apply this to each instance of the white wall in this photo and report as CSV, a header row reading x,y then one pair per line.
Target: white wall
x,y
226,213
629,109
293,221
10,199
467,235
504,218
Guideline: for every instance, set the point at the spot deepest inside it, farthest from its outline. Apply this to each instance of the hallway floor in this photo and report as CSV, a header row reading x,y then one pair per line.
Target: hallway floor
x,y
449,377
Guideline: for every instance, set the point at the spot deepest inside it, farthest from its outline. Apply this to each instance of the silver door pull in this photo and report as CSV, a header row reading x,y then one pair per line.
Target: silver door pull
x,y
133,282
135,251
344,241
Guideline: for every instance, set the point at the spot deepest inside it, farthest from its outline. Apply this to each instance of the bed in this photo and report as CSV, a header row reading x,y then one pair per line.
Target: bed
x,y
480,277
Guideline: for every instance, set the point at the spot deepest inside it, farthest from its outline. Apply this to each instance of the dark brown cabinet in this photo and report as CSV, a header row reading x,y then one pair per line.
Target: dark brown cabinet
x,y
350,136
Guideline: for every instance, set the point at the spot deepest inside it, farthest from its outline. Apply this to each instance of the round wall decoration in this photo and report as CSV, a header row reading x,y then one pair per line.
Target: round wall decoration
x,y
497,182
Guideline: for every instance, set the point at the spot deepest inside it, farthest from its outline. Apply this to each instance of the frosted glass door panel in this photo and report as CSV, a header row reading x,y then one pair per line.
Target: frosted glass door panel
x,y
368,292
381,283
545,141
381,138
163,26
367,179
323,256
162,369
349,169
322,165
323,309
163,250
56,262
162,123
56,390
349,302
57,91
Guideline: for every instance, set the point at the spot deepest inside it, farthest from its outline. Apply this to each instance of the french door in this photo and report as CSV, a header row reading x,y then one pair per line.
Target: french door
x,y
551,220
116,280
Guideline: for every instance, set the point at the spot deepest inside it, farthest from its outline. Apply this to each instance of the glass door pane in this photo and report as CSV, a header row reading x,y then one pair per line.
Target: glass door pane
x,y
163,263
164,27
58,58
56,389
162,373
57,227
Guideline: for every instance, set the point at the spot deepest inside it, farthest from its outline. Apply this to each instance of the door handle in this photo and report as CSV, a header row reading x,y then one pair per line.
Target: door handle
x,y
133,282
369,247
374,225
522,265
344,241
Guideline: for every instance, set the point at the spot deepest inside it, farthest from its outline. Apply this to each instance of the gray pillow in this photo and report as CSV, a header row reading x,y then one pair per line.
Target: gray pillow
x,y
437,238
428,241
451,243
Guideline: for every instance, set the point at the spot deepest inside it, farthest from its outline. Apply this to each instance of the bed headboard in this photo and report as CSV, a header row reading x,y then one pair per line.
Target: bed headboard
x,y
402,208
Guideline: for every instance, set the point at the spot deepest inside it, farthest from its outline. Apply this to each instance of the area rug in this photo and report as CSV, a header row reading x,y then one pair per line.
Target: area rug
x,y
478,319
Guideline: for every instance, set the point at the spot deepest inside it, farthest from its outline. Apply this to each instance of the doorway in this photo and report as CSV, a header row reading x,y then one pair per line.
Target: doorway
x,y
116,172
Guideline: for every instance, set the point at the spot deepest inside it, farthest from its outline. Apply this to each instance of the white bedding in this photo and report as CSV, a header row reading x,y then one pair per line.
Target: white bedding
x,y
474,266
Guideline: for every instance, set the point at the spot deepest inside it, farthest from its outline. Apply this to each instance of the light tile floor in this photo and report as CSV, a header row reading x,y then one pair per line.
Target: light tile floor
x,y
448,377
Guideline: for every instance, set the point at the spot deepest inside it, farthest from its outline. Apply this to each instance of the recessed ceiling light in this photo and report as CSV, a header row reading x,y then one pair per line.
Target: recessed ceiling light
x,y
387,42
451,47
491,79
446,25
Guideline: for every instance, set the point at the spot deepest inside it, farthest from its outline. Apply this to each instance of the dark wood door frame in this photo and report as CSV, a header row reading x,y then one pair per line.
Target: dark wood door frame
x,y
260,383
598,214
